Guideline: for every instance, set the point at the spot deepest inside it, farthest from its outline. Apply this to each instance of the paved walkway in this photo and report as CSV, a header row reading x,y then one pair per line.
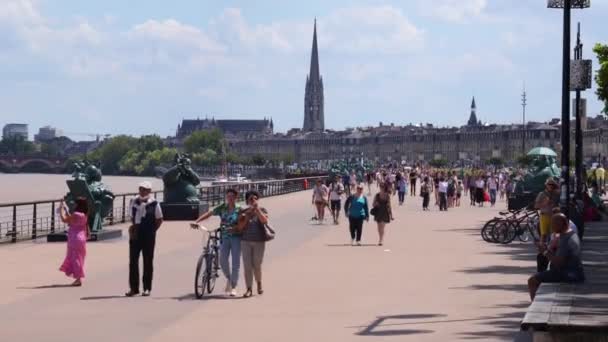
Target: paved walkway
x,y
434,280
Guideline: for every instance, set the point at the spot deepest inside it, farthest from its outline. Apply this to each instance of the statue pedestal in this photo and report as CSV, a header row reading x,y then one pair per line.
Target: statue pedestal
x,y
182,211
105,234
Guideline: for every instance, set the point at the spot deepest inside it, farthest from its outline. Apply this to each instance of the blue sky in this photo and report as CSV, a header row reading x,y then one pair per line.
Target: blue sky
x,y
139,67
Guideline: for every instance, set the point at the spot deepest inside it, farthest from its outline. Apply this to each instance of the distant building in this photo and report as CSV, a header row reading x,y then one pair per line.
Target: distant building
x,y
47,133
230,128
15,130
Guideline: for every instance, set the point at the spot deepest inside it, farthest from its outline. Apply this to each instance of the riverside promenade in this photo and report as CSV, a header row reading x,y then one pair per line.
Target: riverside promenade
x,y
433,280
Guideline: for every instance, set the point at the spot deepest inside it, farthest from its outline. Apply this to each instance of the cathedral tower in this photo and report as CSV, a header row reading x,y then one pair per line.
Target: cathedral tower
x,y
314,114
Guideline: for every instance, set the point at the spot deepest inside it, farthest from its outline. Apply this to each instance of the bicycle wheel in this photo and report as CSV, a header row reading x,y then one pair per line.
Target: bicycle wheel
x,y
199,281
486,230
210,272
504,233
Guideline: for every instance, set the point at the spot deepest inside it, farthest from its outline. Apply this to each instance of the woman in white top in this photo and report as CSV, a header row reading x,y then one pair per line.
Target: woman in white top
x,y
479,186
319,199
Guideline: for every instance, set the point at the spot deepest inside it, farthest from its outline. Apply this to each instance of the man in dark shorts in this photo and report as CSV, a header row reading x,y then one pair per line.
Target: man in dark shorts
x,y
564,254
413,178
336,191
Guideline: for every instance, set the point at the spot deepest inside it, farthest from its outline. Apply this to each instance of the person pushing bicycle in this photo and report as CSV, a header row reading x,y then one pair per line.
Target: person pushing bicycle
x,y
231,239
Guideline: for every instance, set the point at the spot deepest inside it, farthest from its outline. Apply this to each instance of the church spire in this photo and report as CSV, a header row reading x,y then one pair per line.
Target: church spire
x,y
473,118
315,73
314,113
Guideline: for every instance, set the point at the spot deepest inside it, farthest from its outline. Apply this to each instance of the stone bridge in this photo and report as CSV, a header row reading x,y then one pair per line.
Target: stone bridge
x,y
33,163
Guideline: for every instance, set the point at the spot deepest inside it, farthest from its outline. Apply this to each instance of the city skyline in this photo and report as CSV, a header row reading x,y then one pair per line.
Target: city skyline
x,y
85,63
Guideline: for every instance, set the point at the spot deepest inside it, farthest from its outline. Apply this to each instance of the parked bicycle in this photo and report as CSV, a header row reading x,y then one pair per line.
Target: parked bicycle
x,y
521,224
208,265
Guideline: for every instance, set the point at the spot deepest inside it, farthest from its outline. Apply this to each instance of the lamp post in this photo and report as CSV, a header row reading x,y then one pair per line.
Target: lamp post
x,y
524,128
567,6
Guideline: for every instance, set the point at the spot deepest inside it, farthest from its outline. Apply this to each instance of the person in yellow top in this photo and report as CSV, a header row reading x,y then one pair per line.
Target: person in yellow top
x,y
545,202
599,176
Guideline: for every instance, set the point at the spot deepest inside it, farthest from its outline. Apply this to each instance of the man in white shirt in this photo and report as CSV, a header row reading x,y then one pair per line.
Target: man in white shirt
x,y
442,189
147,218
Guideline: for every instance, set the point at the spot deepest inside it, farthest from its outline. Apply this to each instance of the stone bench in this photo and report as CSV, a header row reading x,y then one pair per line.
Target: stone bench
x,y
575,312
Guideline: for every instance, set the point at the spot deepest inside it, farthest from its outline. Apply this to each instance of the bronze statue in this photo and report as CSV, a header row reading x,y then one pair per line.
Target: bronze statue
x,y
180,182
542,167
87,183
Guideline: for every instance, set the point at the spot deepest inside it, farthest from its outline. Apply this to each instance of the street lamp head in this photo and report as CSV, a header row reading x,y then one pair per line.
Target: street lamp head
x,y
573,3
581,71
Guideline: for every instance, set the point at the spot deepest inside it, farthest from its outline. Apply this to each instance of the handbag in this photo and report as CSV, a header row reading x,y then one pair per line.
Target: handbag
x,y
374,211
269,232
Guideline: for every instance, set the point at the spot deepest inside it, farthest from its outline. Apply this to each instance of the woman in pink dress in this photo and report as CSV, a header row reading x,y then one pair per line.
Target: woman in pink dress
x,y
78,232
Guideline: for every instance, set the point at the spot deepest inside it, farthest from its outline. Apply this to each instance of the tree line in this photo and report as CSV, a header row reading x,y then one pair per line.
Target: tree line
x,y
141,156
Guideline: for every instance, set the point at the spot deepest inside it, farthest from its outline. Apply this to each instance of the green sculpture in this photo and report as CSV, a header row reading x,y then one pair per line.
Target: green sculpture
x,y
542,167
180,182
87,183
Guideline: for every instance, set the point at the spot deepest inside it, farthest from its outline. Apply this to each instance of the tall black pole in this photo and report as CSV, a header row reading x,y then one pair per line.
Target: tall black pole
x,y
524,128
578,135
565,186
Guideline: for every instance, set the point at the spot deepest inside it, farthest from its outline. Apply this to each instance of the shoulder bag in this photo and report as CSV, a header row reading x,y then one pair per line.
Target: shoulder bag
x,y
269,232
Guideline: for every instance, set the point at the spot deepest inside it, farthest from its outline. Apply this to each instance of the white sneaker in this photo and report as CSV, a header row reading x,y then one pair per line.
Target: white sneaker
x,y
358,243
352,243
228,288
233,293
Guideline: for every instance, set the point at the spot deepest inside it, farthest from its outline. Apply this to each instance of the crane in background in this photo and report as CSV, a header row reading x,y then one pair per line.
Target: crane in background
x,y
97,136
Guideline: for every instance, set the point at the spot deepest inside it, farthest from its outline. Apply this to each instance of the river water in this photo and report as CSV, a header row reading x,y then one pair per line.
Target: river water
x,y
36,187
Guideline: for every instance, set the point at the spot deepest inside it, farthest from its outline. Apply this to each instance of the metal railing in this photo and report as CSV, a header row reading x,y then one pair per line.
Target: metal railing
x,y
32,220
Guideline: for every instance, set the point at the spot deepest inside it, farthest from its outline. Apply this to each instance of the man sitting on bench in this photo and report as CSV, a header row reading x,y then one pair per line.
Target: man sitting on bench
x,y
563,253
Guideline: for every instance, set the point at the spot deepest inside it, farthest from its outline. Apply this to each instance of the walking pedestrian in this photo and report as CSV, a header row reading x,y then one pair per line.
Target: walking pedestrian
x,y
319,200
357,210
253,242
78,233
383,212
492,188
442,189
413,178
335,199
230,246
402,189
424,192
479,191
146,219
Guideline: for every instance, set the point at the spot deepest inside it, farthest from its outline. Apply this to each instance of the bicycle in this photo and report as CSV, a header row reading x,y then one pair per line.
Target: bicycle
x,y
207,266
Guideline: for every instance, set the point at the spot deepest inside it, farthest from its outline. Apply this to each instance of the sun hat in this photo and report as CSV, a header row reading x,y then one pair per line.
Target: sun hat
x,y
145,185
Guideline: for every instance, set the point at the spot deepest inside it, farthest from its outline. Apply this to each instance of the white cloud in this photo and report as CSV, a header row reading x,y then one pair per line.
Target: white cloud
x,y
172,31
370,30
453,10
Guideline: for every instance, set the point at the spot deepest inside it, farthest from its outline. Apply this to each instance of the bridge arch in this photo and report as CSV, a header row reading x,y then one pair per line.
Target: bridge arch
x,y
39,166
5,166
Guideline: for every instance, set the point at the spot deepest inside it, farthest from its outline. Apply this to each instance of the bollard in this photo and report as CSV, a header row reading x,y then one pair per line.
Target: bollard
x,y
14,233
52,217
34,223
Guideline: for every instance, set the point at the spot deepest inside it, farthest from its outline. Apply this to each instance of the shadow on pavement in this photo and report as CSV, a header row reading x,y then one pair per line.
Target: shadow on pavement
x,y
105,297
375,328
43,287
192,297
349,245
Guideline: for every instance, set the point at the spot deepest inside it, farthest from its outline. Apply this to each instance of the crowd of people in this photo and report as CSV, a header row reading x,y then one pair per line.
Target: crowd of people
x,y
446,187
243,228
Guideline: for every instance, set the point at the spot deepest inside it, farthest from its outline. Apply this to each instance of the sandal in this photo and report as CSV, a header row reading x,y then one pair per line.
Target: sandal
x,y
77,283
260,290
248,294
